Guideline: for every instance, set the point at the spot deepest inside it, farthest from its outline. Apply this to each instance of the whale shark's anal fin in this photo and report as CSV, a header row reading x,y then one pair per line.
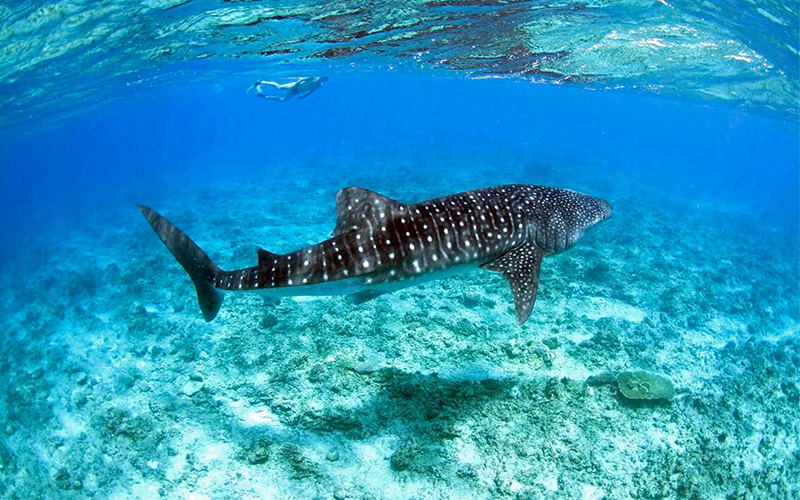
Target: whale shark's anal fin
x,y
520,267
354,205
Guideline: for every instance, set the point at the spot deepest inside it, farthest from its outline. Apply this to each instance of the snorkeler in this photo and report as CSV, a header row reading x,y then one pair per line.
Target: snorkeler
x,y
301,89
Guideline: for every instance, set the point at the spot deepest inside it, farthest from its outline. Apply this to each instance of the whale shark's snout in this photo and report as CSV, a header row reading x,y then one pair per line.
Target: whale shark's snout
x,y
604,209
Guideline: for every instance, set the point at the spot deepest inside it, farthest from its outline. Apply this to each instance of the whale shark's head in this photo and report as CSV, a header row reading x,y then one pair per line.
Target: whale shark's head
x,y
561,217
581,211
600,209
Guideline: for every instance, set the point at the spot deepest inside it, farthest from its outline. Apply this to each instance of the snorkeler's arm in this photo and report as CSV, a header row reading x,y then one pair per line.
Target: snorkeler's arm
x,y
278,85
272,97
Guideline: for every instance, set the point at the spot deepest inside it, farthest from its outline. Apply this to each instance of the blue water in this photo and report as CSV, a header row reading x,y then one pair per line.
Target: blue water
x,y
695,277
125,148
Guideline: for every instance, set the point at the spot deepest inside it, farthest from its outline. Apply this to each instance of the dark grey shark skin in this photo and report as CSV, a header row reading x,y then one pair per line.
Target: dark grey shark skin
x,y
380,245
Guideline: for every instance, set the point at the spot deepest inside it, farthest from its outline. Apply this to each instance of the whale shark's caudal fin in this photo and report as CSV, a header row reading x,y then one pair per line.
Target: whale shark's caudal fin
x,y
200,268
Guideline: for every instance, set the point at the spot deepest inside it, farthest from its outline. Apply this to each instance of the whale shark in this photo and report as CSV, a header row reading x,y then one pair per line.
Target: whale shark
x,y
380,245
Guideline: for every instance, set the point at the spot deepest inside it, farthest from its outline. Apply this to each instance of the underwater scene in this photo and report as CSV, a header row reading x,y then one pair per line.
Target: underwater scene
x,y
367,250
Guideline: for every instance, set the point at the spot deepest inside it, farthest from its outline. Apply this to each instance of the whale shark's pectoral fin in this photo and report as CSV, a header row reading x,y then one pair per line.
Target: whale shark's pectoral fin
x,y
354,205
520,267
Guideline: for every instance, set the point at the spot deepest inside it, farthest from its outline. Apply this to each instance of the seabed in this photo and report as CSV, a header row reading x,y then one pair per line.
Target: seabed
x,y
115,387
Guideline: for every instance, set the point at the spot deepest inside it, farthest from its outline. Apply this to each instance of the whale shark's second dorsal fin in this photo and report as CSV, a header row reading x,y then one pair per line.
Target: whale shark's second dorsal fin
x,y
267,258
520,266
355,205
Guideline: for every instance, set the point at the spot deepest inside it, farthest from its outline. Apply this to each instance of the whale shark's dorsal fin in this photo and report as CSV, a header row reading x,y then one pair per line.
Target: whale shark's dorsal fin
x,y
520,266
354,205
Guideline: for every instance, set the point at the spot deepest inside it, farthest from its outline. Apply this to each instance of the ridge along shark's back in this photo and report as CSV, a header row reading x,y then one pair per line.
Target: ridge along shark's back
x,y
380,245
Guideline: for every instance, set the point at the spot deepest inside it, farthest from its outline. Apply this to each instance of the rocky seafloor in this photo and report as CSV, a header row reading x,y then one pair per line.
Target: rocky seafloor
x,y
114,387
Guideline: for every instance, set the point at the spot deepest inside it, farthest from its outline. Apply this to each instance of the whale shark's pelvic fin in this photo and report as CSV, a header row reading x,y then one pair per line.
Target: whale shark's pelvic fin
x,y
354,205
200,268
520,266
362,296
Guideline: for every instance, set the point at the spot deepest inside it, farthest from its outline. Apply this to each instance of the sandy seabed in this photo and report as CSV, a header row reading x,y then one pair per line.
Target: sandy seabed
x,y
114,387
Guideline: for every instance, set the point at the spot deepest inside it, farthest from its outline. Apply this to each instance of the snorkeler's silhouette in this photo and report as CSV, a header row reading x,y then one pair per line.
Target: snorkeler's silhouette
x,y
301,88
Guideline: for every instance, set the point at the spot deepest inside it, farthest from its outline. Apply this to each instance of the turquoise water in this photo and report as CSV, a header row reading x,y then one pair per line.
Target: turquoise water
x,y
682,116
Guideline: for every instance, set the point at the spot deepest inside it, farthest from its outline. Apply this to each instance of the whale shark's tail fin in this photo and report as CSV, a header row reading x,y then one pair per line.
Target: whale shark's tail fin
x,y
200,268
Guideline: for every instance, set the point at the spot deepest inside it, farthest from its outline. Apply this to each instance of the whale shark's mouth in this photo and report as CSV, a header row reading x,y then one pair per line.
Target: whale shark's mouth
x,y
605,210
